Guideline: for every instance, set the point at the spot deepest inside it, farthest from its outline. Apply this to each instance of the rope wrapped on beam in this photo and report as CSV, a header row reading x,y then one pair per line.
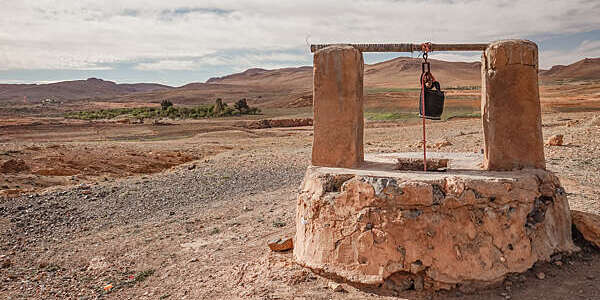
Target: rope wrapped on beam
x,y
405,47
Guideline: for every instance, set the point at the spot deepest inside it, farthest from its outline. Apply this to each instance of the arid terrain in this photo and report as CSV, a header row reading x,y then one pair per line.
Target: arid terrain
x,y
183,209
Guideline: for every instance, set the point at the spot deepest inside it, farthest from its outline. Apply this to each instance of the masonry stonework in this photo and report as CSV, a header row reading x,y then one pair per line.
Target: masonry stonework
x,y
401,230
338,107
510,106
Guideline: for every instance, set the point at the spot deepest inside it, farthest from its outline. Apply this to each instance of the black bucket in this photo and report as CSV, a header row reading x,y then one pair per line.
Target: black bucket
x,y
434,102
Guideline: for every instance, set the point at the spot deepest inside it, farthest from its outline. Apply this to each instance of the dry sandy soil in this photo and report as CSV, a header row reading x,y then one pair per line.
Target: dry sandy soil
x,y
185,211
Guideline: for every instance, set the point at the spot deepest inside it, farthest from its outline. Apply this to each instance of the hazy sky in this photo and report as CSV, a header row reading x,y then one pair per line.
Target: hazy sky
x,y
178,41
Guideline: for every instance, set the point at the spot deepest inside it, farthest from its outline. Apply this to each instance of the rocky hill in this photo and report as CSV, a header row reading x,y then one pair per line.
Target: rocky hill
x,y
585,69
288,77
401,72
74,90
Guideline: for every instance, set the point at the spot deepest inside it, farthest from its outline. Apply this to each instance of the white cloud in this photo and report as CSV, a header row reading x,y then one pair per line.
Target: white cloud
x,y
166,65
183,34
236,61
587,49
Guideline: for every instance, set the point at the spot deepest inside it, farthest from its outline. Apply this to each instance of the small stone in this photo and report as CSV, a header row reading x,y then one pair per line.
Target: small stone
x,y
191,167
556,257
195,259
540,275
442,143
6,263
555,140
416,267
590,277
419,283
558,263
588,225
336,287
281,245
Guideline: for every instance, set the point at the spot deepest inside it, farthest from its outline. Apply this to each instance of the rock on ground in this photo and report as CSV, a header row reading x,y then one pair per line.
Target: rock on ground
x,y
442,143
336,287
13,166
280,245
588,224
555,140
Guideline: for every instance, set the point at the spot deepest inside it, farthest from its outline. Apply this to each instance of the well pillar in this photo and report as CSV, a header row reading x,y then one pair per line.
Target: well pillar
x,y
338,107
510,106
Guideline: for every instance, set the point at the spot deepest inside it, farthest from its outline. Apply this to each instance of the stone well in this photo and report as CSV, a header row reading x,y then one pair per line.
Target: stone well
x,y
404,229
363,220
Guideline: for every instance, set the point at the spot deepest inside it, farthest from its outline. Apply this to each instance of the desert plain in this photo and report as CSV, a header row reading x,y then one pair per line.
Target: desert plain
x,y
180,208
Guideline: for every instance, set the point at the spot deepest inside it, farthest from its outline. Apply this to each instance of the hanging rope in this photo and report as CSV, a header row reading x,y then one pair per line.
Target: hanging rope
x,y
425,48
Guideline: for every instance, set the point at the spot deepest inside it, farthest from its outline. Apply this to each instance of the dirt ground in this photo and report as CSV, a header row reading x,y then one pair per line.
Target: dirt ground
x,y
185,211
39,153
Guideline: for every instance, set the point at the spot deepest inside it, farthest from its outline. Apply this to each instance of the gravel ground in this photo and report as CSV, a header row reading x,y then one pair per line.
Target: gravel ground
x,y
132,201
39,221
200,230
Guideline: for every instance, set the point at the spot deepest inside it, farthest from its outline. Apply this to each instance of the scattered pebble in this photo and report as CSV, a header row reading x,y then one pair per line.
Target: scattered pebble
x,y
558,263
590,277
336,287
442,143
280,245
555,140
540,275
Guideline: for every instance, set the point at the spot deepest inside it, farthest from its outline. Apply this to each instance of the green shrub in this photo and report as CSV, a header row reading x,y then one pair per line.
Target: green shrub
x,y
166,104
196,112
242,106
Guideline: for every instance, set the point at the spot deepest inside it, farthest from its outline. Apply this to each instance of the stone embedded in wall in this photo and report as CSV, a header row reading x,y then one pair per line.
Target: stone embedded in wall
x,y
403,230
510,106
338,107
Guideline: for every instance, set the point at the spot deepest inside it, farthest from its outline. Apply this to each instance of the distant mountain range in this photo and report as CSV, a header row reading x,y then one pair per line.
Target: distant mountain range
x,y
74,90
272,85
585,69
404,72
399,72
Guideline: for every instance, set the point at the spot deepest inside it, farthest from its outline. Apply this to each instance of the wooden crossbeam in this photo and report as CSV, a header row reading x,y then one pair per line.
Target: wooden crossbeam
x,y
405,47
